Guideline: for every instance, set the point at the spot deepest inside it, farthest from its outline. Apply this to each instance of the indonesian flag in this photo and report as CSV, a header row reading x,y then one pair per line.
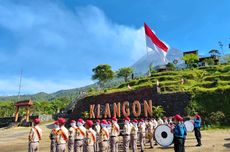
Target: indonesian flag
x,y
154,43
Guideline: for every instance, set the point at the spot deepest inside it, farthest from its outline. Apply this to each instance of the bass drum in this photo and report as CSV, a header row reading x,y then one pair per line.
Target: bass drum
x,y
163,135
189,125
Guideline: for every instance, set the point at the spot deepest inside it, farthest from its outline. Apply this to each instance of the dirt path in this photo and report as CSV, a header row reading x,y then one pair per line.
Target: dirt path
x,y
15,140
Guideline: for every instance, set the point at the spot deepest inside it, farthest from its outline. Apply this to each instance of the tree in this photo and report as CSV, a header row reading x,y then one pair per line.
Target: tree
x,y
214,53
158,111
125,73
103,73
190,59
227,59
170,66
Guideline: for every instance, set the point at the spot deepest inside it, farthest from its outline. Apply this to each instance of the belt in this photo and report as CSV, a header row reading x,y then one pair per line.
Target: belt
x,y
126,134
78,139
104,140
113,136
61,143
34,141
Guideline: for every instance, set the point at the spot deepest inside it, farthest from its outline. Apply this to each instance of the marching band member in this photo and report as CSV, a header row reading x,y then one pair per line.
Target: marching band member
x,y
80,135
90,136
126,135
150,132
104,137
62,136
165,120
53,137
72,131
160,121
134,130
179,134
142,127
35,136
115,131
97,129
197,125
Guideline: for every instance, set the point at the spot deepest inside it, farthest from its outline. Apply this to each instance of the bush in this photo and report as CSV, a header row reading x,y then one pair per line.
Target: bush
x,y
217,118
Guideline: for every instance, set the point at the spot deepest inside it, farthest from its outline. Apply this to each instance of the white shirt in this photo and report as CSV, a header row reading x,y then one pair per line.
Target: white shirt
x,y
34,134
127,129
115,130
80,132
63,133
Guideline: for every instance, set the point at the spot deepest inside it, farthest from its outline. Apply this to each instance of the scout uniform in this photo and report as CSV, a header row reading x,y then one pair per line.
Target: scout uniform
x,y
197,125
150,132
80,134
72,131
109,130
97,129
104,137
126,134
115,131
133,136
179,134
90,137
62,136
53,137
35,136
160,121
142,128
166,120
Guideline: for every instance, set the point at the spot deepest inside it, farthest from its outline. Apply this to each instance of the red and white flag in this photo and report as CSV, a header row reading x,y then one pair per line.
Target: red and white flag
x,y
154,43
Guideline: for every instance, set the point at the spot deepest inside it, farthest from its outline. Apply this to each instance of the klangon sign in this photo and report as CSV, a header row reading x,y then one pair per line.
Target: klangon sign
x,y
126,108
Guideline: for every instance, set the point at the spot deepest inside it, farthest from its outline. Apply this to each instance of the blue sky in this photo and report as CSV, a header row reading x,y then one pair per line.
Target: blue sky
x,y
58,42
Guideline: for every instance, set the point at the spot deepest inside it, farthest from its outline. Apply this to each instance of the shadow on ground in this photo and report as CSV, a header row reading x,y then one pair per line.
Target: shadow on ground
x,y
227,145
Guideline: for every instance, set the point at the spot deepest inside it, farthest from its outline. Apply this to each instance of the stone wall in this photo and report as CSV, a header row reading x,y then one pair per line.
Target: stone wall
x,y
172,103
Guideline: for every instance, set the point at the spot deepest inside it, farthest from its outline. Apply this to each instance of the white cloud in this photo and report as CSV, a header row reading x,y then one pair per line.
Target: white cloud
x,y
53,42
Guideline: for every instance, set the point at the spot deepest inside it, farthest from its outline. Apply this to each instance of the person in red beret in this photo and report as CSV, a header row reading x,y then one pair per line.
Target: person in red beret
x,y
80,135
104,137
35,136
197,125
142,128
115,131
72,131
133,136
53,136
90,136
126,134
97,129
62,135
180,133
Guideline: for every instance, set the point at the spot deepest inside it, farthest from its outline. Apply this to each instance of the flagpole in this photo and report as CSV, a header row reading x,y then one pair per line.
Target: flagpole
x,y
20,85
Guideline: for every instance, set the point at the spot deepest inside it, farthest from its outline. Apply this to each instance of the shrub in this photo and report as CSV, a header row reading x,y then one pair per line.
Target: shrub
x,y
217,117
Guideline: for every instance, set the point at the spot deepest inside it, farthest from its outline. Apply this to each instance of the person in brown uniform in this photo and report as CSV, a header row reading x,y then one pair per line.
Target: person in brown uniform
x,y
72,131
97,129
35,136
90,136
134,130
115,131
126,134
62,136
80,135
142,128
53,137
104,137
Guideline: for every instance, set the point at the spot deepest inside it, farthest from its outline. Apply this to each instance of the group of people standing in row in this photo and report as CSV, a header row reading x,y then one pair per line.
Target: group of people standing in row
x,y
84,136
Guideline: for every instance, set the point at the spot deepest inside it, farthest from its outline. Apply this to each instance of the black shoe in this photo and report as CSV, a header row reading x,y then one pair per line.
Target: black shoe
x,y
151,147
198,145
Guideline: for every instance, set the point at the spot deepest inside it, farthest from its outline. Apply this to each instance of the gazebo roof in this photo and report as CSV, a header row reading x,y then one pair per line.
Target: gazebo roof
x,y
24,103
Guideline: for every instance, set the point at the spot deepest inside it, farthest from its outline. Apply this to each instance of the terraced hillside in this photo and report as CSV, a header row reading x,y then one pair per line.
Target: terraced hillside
x,y
209,86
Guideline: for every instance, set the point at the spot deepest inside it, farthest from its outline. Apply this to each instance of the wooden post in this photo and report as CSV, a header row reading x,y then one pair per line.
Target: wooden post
x,y
16,114
27,113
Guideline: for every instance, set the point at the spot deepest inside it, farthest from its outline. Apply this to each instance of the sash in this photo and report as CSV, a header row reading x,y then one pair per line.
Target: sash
x,y
63,135
81,132
37,132
115,127
107,135
94,138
